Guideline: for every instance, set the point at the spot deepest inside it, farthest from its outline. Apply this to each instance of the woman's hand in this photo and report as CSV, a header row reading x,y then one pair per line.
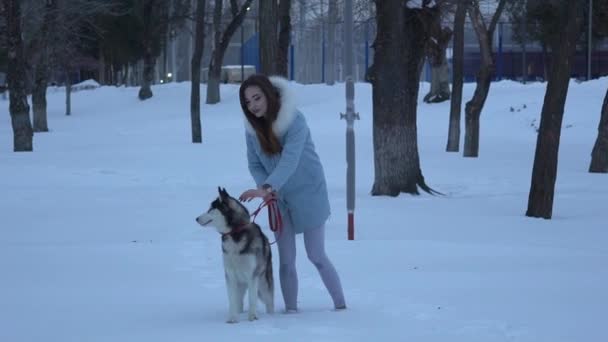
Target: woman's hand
x,y
250,194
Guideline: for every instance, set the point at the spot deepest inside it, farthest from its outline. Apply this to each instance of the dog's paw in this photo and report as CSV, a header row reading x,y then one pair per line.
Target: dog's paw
x,y
232,320
252,317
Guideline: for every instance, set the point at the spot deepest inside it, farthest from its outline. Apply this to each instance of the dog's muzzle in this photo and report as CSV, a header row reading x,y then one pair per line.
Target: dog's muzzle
x,y
203,223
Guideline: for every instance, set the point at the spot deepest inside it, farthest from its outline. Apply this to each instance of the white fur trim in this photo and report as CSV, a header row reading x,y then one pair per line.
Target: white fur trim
x,y
286,114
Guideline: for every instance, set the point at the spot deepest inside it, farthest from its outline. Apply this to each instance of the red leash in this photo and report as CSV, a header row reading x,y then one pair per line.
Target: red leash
x,y
275,221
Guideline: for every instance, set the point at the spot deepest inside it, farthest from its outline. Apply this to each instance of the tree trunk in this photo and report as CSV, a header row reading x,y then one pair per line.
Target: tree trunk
x,y
395,76
473,110
68,94
39,95
546,62
599,156
436,56
457,77
18,106
42,69
195,95
268,17
332,17
440,84
284,38
474,107
302,75
222,39
145,92
102,65
215,64
544,172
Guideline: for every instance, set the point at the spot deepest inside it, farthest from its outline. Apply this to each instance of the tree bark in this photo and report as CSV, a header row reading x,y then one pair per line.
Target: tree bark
x,y
599,156
215,64
18,106
436,56
268,17
195,95
284,38
68,93
474,107
457,77
222,39
544,172
145,92
42,69
395,76
39,95
332,17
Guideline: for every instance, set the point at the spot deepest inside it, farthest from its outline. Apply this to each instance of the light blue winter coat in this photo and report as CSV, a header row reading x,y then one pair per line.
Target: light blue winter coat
x,y
296,173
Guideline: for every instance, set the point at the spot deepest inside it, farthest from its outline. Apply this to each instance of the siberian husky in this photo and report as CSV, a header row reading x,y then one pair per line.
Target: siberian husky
x,y
246,253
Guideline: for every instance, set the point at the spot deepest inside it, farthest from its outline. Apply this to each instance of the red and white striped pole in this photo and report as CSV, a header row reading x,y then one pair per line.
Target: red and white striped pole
x,y
350,117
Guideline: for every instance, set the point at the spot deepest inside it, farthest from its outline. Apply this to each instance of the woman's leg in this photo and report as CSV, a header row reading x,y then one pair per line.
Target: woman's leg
x,y
286,242
314,241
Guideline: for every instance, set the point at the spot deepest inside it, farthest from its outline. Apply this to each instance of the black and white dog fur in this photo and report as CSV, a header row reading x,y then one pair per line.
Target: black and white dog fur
x,y
246,253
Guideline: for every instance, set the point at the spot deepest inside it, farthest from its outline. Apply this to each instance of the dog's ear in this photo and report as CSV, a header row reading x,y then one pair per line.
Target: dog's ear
x,y
223,193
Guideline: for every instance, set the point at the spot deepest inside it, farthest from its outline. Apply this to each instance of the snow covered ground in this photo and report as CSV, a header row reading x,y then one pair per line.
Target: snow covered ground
x,y
98,240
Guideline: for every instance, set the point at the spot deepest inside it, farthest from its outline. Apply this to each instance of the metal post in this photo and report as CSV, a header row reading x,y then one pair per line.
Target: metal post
x,y
589,38
350,117
499,60
322,45
242,53
524,67
291,62
366,46
323,58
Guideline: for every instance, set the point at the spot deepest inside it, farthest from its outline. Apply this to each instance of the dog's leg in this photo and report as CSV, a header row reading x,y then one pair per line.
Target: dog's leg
x,y
242,287
267,296
253,297
266,291
232,287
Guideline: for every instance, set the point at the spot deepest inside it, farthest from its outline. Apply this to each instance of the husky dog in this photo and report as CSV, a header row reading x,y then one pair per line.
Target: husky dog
x,y
247,255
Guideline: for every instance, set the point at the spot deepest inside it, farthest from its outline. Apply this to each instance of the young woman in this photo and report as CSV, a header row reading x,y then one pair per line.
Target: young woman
x,y
283,162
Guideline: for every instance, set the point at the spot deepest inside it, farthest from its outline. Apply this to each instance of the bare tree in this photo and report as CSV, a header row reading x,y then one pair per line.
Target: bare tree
x,y
154,27
195,95
457,76
222,39
53,41
474,107
42,65
436,55
268,19
284,37
563,45
332,18
395,76
599,156
18,106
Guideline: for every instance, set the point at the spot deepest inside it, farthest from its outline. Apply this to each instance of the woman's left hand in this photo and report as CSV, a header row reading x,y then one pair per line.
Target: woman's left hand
x,y
252,193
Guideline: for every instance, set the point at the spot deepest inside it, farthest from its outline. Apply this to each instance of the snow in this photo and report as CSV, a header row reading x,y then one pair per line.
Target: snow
x,y
98,240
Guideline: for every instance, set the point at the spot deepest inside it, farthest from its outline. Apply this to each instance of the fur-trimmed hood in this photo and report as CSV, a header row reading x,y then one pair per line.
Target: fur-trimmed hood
x,y
287,112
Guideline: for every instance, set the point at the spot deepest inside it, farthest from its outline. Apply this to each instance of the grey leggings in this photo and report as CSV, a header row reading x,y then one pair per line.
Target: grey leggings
x,y
314,241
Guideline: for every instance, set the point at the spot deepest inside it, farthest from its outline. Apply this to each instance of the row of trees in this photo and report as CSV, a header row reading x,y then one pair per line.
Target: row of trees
x,y
405,29
113,36
408,31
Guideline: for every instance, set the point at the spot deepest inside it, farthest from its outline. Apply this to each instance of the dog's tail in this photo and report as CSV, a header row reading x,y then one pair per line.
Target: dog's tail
x,y
269,276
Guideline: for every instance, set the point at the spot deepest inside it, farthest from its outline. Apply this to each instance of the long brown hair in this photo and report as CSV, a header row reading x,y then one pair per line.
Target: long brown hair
x,y
263,126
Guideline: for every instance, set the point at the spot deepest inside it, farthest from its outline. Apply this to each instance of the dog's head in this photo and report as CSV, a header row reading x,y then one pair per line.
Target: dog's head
x,y
225,213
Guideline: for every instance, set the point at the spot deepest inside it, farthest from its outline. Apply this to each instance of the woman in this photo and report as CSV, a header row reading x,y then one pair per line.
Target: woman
x,y
283,163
